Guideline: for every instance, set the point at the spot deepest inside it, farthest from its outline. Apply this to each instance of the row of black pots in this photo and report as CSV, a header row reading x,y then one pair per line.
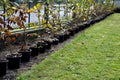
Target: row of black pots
x,y
26,55
14,61
74,30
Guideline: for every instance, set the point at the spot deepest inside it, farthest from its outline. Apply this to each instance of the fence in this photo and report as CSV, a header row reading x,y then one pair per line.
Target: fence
x,y
32,17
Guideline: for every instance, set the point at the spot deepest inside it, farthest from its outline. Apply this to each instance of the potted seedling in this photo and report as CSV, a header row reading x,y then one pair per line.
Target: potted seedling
x,y
92,11
14,59
37,9
59,34
42,46
54,23
16,15
70,26
46,24
33,36
21,19
34,51
3,62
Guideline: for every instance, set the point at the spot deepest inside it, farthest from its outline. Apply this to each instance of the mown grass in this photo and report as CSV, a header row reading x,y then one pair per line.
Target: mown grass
x,y
92,55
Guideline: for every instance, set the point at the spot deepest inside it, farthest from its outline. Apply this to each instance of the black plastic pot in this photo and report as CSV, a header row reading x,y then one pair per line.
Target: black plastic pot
x,y
34,51
98,20
60,37
71,31
92,22
55,41
82,27
14,61
102,18
48,44
41,46
3,67
88,24
41,49
26,54
76,29
66,36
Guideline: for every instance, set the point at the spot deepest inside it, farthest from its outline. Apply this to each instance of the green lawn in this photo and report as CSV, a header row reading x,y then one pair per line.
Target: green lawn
x,y
92,55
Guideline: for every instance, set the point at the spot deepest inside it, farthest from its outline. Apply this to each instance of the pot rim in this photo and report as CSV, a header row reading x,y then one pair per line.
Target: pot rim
x,y
25,50
9,56
3,60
